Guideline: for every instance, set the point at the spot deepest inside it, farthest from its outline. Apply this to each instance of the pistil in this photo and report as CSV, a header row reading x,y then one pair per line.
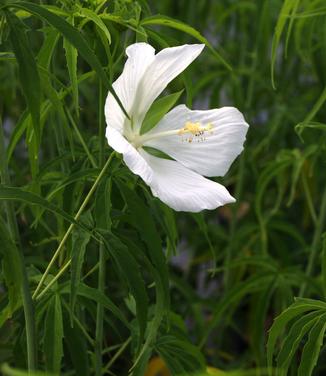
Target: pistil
x,y
194,129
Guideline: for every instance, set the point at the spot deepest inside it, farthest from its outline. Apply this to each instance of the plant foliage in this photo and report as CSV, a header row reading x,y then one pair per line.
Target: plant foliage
x,y
98,277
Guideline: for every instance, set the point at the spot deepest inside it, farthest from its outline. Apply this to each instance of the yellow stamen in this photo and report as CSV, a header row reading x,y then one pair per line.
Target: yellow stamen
x,y
193,129
196,129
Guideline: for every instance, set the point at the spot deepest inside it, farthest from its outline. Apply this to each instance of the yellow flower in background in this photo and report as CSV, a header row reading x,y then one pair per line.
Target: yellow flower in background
x,y
157,367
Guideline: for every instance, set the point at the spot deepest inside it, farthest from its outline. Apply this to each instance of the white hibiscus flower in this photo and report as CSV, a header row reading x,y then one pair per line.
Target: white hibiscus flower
x,y
201,143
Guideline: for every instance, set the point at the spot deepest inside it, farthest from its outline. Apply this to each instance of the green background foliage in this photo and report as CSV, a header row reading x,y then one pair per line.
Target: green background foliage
x,y
98,277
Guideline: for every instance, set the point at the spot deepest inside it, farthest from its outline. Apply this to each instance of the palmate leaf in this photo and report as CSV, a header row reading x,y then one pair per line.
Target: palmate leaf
x,y
180,356
299,307
293,339
73,36
311,349
175,350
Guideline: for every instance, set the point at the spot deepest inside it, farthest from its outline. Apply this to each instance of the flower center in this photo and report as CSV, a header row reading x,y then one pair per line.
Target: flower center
x,y
194,130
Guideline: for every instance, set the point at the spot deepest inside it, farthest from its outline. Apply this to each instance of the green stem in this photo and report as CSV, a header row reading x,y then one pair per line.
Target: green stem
x,y
315,242
81,139
53,280
26,294
117,355
71,227
79,324
101,271
308,198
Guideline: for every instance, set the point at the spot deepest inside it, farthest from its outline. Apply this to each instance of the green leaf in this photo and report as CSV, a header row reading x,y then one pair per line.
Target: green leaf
x,y
201,222
288,7
178,25
9,371
71,58
44,57
174,346
150,237
74,37
53,336
129,271
45,109
158,109
312,347
76,346
80,240
156,153
87,174
28,72
233,296
307,122
103,204
11,272
141,361
299,128
160,311
299,307
95,295
18,194
180,356
260,310
293,339
324,264
92,16
271,171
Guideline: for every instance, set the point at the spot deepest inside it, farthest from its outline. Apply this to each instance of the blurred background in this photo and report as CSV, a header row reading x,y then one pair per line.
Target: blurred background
x,y
230,272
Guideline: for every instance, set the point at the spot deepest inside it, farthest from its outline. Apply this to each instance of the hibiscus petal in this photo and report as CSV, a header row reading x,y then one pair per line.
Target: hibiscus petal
x,y
210,154
165,66
140,56
183,189
131,156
